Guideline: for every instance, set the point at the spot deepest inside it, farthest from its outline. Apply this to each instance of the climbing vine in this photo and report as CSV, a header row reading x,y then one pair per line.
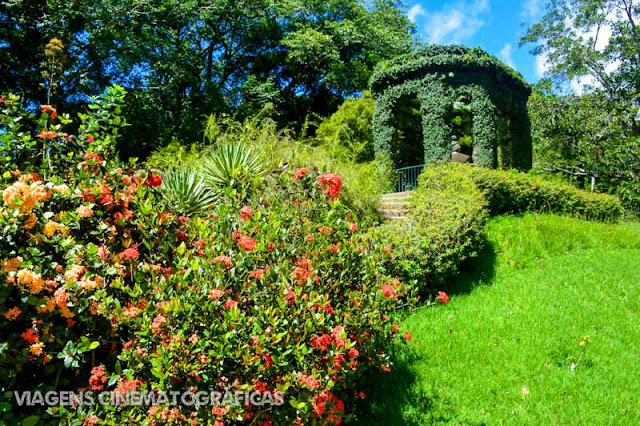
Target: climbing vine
x,y
435,75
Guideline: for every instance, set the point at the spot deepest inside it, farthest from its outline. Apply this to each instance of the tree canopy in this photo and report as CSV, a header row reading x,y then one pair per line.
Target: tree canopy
x,y
181,60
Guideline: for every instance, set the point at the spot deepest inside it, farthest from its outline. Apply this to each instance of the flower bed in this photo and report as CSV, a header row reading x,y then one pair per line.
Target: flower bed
x,y
104,289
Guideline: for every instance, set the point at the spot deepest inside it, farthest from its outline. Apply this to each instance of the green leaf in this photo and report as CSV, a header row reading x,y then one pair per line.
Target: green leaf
x,y
31,421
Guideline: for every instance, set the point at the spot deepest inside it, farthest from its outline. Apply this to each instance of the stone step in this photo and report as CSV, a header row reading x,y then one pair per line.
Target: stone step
x,y
395,212
395,218
395,204
396,196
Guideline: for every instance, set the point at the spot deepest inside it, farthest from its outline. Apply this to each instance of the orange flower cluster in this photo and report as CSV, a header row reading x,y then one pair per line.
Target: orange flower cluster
x,y
32,281
24,196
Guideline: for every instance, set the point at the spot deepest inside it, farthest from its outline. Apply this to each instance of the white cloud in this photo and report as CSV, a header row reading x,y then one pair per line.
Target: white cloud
x,y
531,10
542,65
456,22
506,55
416,11
579,84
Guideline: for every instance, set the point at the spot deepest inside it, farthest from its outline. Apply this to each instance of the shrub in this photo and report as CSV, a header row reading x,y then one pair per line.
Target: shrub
x,y
516,192
234,169
103,289
446,224
185,192
351,128
364,183
444,227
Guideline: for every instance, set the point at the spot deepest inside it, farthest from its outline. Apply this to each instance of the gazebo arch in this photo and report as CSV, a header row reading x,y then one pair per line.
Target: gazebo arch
x,y
435,76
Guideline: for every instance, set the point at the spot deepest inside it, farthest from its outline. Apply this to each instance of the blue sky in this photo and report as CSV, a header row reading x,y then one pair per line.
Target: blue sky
x,y
494,25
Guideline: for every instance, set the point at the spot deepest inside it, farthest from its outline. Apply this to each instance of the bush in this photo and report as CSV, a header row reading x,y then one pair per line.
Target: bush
x,y
103,289
351,127
364,183
446,224
444,228
516,192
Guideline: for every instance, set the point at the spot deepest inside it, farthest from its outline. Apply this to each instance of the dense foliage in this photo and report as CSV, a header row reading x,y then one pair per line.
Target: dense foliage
x,y
513,192
350,127
592,139
105,288
437,76
589,141
183,60
445,226
364,182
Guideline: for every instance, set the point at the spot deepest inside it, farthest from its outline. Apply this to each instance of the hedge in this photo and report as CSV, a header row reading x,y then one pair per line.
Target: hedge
x,y
447,222
445,227
514,192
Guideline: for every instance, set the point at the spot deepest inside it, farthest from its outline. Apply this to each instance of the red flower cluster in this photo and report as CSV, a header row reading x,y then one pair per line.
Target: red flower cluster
x,y
303,271
97,379
389,291
131,253
49,134
154,180
224,260
93,156
331,183
246,213
309,381
30,335
49,109
299,173
443,297
319,406
229,304
247,243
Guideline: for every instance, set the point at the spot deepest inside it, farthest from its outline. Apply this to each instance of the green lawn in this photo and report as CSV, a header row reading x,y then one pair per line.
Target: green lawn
x,y
506,350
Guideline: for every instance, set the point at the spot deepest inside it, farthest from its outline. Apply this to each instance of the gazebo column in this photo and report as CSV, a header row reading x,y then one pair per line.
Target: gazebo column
x,y
485,123
436,103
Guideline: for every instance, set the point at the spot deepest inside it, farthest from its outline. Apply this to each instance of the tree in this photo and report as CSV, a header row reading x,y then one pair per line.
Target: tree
x,y
586,141
183,60
593,138
595,38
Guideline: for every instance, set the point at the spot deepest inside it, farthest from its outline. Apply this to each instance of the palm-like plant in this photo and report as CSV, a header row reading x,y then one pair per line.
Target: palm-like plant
x,y
185,192
234,169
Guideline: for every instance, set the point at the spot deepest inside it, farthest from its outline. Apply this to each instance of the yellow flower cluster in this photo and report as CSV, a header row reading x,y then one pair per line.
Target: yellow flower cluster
x,y
61,189
36,348
72,275
88,284
13,313
84,211
23,196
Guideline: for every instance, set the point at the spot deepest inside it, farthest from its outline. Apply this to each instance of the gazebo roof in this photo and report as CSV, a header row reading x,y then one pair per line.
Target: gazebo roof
x,y
448,61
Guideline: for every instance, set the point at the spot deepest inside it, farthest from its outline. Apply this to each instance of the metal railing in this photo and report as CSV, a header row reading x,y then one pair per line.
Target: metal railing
x,y
408,177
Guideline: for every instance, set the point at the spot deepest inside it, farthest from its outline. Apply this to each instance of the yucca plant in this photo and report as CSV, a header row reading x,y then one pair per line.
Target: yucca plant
x,y
186,193
233,169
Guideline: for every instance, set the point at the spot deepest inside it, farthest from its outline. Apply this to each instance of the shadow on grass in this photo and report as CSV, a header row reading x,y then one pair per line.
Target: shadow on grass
x,y
474,272
392,398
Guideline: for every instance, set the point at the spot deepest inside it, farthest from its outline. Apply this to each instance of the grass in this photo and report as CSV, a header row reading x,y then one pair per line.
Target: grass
x,y
544,329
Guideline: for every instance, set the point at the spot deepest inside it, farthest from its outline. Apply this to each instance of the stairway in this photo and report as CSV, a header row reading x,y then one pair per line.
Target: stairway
x,y
396,206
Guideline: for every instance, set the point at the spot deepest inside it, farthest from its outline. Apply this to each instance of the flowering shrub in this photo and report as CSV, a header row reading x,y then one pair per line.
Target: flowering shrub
x,y
103,289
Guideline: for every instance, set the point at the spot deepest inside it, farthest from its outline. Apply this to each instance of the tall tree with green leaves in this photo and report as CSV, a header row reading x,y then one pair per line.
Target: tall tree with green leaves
x,y
592,137
181,60
595,38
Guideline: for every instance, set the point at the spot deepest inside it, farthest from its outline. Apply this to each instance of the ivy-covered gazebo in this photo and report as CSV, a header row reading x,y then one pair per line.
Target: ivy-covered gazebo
x,y
438,78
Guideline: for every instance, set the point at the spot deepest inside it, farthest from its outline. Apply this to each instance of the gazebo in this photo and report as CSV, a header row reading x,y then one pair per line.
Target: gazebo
x,y
439,81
